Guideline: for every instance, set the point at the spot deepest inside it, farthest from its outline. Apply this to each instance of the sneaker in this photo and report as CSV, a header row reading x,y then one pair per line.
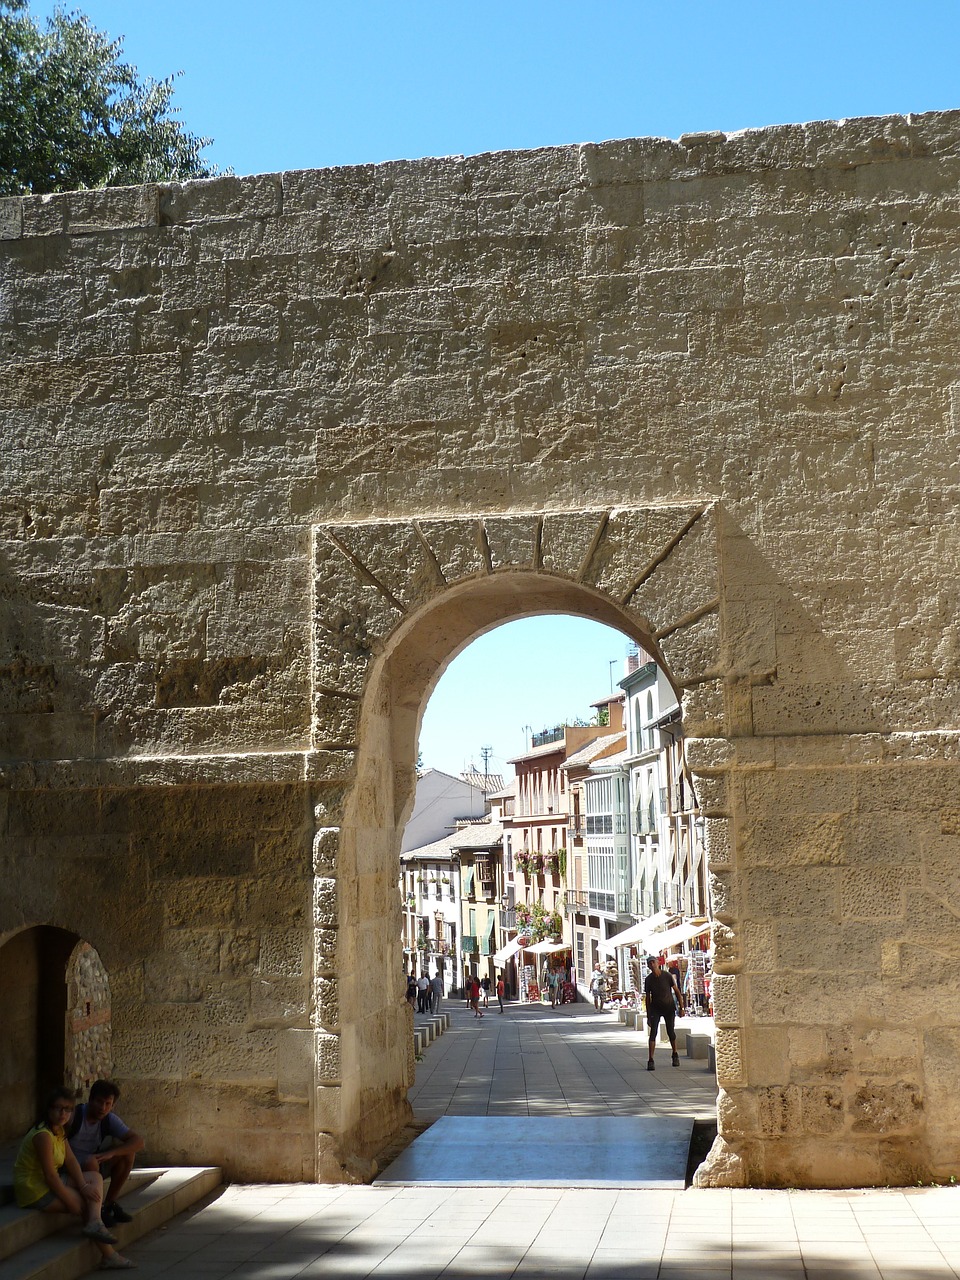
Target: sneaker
x,y
117,1263
114,1213
650,1066
676,1059
97,1231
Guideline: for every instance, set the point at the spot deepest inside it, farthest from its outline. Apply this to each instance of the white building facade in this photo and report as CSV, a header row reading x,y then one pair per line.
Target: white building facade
x,y
608,872
668,867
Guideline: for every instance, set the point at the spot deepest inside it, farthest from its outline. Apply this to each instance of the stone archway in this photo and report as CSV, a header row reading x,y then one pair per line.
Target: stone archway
x,y
55,1012
395,601
360,383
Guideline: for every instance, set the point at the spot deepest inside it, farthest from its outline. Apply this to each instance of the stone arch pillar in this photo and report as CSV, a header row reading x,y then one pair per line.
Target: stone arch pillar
x,y
394,602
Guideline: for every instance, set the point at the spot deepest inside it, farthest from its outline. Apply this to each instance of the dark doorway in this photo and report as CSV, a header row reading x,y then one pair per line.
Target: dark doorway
x,y
55,1012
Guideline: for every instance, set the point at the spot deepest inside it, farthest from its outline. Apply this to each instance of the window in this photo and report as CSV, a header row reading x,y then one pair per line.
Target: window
x,y
600,824
487,947
601,878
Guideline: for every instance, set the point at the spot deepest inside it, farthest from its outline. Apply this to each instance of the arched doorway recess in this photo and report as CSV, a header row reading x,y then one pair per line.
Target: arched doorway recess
x,y
418,592
55,1013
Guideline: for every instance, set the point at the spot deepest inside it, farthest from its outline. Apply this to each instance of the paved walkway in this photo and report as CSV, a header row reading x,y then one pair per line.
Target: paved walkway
x,y
534,1060
572,1062
423,1233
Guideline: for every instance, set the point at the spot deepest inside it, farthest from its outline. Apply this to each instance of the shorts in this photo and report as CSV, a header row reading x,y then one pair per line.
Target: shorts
x,y
46,1199
669,1017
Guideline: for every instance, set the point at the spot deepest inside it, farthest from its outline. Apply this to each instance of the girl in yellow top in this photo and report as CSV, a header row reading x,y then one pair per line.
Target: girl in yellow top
x,y
38,1184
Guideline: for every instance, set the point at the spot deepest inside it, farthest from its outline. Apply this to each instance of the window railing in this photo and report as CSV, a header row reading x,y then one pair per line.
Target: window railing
x,y
575,900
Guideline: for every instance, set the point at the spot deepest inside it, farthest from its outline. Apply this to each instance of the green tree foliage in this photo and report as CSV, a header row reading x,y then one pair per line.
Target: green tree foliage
x,y
73,115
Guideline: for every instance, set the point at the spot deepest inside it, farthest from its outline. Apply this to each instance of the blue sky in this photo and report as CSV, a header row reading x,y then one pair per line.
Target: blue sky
x,y
307,83
520,678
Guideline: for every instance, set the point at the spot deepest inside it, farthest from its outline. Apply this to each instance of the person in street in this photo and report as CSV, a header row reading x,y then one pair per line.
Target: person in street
x,y
436,993
103,1144
662,997
423,993
411,992
485,988
553,987
598,987
500,991
42,1160
474,989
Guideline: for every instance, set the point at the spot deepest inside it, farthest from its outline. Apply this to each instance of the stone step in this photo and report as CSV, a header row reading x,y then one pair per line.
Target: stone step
x,y
42,1246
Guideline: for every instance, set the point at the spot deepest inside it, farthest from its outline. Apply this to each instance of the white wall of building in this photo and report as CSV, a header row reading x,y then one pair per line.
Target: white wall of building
x,y
440,800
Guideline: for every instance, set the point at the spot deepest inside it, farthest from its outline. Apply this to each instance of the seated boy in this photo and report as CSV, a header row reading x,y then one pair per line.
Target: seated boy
x,y
103,1144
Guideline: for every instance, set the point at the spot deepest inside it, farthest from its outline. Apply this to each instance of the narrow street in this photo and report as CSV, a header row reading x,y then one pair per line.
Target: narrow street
x,y
571,1060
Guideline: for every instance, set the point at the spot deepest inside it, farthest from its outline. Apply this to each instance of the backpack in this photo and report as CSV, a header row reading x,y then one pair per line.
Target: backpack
x,y
79,1111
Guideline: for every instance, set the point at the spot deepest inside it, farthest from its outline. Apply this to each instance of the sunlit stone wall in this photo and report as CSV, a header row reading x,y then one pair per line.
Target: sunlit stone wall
x,y
275,446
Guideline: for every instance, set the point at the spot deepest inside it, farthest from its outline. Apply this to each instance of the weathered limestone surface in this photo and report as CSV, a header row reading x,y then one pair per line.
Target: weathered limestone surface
x,y
276,448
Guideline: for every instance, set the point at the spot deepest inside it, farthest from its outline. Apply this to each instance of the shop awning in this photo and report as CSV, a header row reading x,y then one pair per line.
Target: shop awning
x,y
637,934
506,952
673,937
547,948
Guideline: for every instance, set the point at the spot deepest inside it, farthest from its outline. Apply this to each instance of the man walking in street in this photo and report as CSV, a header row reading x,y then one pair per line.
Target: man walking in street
x,y
659,991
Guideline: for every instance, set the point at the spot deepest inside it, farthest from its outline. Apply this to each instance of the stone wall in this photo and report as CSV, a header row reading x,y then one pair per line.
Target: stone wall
x,y
89,1049
277,447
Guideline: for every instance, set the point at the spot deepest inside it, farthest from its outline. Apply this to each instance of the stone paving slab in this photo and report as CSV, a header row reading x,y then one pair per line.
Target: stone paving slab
x,y
547,1151
429,1233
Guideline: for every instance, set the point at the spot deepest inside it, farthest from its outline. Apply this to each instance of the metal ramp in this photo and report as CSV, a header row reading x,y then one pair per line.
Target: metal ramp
x,y
632,1152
